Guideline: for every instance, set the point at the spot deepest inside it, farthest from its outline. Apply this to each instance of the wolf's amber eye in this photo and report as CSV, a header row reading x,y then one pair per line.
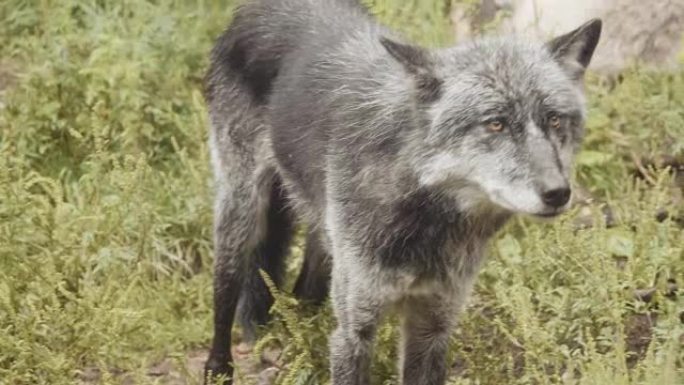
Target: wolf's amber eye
x,y
495,126
554,121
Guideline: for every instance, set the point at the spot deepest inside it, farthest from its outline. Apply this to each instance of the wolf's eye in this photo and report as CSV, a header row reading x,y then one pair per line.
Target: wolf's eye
x,y
495,125
554,121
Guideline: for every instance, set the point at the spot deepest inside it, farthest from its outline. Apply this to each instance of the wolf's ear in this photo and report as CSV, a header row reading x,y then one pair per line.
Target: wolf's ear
x,y
416,61
575,49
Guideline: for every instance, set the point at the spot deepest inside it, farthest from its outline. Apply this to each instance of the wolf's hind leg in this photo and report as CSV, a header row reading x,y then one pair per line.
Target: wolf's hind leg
x,y
314,278
239,226
269,255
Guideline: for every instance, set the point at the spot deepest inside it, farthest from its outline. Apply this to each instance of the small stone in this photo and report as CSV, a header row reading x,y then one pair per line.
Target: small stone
x,y
620,262
270,356
243,348
672,289
92,374
608,216
644,295
268,376
160,369
661,215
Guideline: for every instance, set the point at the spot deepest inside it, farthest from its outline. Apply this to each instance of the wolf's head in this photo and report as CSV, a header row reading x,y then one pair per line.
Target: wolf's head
x,y
502,118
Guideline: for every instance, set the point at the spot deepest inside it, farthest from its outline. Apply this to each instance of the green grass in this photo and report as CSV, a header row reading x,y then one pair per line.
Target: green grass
x,y
105,215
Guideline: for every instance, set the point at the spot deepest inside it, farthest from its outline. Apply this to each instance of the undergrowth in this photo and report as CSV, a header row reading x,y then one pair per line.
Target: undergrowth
x,y
105,217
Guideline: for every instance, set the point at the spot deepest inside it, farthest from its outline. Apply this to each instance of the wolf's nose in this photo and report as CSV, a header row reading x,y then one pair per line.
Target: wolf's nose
x,y
556,197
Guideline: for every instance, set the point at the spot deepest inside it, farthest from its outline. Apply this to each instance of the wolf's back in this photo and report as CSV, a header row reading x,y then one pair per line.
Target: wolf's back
x,y
248,55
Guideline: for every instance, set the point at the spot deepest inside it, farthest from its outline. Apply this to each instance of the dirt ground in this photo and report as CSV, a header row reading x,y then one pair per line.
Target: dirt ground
x,y
188,370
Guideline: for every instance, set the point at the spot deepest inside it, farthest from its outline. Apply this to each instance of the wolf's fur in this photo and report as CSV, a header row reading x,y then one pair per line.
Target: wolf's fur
x,y
390,153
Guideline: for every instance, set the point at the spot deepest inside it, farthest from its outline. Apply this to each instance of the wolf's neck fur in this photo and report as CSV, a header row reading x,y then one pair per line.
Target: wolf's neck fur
x,y
380,141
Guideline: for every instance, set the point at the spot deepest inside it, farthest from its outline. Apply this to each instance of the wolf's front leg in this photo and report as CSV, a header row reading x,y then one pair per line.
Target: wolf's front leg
x,y
357,312
427,325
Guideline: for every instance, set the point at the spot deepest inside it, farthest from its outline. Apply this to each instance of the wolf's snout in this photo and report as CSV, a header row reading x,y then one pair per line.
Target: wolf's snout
x,y
556,197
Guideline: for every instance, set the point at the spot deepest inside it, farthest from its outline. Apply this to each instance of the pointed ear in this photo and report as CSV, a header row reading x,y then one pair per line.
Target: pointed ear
x,y
414,59
575,49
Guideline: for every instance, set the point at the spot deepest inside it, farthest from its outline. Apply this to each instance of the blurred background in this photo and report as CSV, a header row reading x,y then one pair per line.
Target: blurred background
x,y
106,196
649,32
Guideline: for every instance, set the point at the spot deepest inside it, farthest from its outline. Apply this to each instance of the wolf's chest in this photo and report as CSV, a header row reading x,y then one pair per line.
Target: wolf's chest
x,y
429,240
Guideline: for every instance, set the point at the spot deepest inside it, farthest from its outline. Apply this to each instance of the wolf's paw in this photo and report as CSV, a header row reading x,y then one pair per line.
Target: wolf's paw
x,y
218,371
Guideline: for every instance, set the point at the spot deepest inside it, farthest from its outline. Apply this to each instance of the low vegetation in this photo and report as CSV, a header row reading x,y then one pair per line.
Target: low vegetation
x,y
105,218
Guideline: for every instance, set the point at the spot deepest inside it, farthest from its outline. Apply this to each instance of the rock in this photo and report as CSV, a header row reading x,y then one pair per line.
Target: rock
x,y
160,369
243,349
271,357
268,376
620,262
634,30
89,375
585,218
671,289
644,295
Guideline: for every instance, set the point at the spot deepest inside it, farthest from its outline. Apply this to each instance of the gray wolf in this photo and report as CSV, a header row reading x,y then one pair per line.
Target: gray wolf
x,y
402,161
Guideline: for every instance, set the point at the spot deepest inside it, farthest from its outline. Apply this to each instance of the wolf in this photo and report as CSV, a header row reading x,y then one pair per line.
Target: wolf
x,y
402,161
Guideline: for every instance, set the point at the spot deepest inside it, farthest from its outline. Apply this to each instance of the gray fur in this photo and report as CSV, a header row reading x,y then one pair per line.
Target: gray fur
x,y
383,149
